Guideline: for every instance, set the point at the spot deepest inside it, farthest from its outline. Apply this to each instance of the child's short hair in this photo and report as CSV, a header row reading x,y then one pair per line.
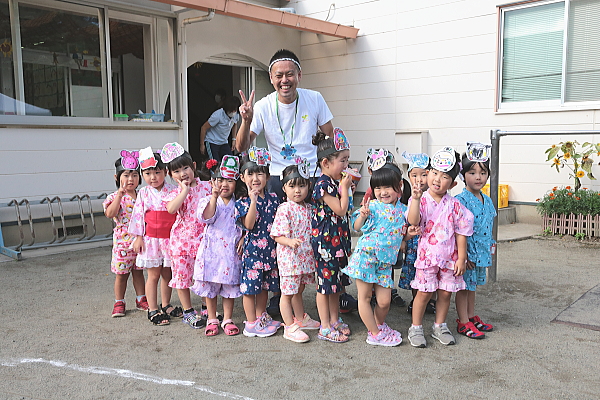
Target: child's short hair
x,y
231,104
184,160
119,169
468,164
283,54
386,177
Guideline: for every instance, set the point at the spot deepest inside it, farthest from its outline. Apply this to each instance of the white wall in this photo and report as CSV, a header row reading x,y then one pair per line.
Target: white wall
x,y
429,66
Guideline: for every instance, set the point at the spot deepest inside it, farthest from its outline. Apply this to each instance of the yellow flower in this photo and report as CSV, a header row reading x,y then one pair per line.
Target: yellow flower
x,y
556,162
567,156
580,174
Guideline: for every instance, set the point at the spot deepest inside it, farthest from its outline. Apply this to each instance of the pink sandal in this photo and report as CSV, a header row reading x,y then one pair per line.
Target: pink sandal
x,y
341,327
212,327
230,328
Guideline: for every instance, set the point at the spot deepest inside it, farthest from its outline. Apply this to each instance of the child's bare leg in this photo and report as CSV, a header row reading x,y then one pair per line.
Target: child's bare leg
x,y
184,298
137,277
364,306
152,287
419,305
334,307
261,302
298,304
165,289
285,308
323,309
120,286
471,304
442,306
211,307
461,299
227,309
249,302
384,299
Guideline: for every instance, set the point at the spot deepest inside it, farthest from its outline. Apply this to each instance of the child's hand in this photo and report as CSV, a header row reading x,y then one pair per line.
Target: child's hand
x,y
216,190
138,245
294,243
413,230
353,186
346,182
460,266
183,185
403,247
470,265
240,246
253,194
364,210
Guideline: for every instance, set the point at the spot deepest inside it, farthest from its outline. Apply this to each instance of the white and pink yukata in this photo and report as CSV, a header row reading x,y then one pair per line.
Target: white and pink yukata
x,y
123,256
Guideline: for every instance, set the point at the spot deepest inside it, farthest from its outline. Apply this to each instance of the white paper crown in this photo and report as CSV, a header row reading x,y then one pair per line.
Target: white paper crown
x,y
444,159
171,151
147,159
478,152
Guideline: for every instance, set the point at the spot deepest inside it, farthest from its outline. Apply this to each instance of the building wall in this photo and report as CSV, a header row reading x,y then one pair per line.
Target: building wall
x,y
429,66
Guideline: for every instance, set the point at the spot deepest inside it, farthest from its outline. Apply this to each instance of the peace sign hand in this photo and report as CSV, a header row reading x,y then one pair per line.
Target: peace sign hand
x,y
246,109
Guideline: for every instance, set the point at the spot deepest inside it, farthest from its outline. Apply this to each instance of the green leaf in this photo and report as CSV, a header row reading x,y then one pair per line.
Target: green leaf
x,y
590,176
552,152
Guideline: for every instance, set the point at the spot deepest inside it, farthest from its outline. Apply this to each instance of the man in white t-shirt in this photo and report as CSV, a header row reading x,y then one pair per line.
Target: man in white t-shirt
x,y
288,117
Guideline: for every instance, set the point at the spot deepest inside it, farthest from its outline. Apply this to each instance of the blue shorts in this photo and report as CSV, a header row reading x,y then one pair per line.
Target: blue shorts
x,y
475,277
254,281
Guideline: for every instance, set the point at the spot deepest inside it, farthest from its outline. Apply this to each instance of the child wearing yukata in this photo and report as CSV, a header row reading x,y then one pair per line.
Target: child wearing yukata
x,y
330,231
218,264
382,222
442,253
295,258
481,245
186,233
151,224
255,212
119,206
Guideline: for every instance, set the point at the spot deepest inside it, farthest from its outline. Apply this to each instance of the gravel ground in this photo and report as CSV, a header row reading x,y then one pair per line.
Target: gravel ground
x,y
58,341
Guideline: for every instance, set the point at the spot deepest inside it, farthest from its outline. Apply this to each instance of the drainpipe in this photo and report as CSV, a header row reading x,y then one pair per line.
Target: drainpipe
x,y
183,73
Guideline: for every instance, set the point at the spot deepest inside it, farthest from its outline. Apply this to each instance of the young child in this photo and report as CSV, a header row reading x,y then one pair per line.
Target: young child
x,y
186,233
256,212
481,245
330,231
218,263
215,132
418,165
119,206
151,224
295,258
442,252
382,222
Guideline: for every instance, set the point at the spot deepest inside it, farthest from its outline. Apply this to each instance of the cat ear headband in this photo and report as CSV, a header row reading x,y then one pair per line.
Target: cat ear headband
x,y
340,142
146,158
478,152
129,160
171,151
416,160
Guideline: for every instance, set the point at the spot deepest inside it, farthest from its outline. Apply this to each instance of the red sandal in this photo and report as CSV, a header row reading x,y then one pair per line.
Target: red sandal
x,y
479,324
469,330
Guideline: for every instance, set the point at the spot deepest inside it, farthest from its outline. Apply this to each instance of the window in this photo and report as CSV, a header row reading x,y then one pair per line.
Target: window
x,y
54,60
550,54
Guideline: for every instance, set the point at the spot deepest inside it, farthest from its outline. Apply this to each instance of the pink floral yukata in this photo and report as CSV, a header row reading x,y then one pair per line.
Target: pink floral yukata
x,y
186,234
123,256
156,250
218,265
296,266
437,251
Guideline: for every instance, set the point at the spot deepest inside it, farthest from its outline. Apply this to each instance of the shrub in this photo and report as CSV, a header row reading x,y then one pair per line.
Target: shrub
x,y
566,200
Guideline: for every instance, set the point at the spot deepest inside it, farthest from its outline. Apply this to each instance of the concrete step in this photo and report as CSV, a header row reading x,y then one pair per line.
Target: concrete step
x,y
507,216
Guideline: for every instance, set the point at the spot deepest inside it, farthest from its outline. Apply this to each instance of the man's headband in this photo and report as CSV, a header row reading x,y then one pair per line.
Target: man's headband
x,y
285,59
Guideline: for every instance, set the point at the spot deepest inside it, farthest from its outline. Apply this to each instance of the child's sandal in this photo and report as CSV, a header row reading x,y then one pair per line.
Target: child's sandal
x,y
158,318
176,312
341,327
212,327
230,328
332,335
469,330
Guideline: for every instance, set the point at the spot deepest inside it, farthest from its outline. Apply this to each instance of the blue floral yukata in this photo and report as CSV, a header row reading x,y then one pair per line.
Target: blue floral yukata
x,y
407,273
330,238
377,249
479,245
259,260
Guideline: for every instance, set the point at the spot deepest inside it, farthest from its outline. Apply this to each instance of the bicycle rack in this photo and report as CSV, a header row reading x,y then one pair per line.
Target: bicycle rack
x,y
15,251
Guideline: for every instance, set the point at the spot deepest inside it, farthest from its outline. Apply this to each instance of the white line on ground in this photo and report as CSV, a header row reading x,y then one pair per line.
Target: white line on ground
x,y
123,373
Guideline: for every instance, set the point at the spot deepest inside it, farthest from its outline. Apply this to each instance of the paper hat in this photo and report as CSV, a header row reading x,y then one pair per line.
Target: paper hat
x,y
230,167
129,160
171,151
259,156
146,158
478,152
303,167
416,160
377,158
340,141
444,160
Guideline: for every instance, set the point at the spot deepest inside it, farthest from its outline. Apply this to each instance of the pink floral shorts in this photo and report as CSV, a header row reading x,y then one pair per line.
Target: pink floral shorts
x,y
123,260
290,285
431,279
182,271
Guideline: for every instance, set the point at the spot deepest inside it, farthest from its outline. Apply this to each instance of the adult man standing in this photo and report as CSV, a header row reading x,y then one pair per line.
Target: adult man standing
x,y
288,117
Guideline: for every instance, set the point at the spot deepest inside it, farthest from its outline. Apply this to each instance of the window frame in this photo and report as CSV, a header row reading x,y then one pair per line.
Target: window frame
x,y
540,105
105,12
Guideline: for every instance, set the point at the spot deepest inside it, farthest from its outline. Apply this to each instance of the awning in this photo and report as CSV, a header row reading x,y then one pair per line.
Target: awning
x,y
252,12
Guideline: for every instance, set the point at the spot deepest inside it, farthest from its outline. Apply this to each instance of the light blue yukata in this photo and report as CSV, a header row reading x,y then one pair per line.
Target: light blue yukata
x,y
377,249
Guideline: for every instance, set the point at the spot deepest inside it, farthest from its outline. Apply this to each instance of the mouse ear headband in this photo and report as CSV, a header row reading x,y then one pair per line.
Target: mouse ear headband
x,y
416,160
340,142
129,161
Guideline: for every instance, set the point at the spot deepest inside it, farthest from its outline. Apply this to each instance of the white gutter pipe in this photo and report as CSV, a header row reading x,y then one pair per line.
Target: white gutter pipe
x,y
202,18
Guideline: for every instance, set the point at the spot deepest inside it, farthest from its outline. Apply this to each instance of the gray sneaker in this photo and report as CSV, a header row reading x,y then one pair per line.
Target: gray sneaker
x,y
443,334
416,337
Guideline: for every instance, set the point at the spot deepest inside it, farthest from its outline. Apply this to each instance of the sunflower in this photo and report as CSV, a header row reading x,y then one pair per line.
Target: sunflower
x,y
567,155
580,174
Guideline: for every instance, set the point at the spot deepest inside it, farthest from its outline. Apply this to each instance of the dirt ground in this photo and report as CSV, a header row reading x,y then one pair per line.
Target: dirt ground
x,y
58,341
